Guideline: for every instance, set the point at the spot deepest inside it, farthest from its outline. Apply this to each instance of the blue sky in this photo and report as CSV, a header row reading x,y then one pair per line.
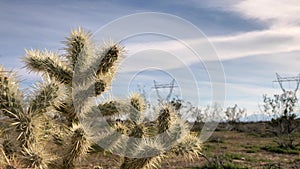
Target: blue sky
x,y
253,39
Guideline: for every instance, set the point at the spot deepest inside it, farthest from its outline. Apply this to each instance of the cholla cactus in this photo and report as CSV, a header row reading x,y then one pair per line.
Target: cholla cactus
x,y
22,119
170,129
79,145
80,54
35,157
60,105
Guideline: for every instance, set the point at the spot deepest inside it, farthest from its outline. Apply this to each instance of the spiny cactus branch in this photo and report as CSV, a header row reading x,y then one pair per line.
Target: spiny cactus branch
x,y
48,62
109,56
79,45
79,146
46,95
10,94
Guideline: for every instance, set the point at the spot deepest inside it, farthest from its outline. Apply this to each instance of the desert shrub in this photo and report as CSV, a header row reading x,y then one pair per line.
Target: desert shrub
x,y
228,118
283,123
211,113
233,116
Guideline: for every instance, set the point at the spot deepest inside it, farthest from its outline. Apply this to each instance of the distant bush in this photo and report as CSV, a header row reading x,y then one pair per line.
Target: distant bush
x,y
284,122
234,114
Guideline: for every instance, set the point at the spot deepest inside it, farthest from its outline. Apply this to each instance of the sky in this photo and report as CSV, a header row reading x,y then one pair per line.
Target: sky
x,y
253,40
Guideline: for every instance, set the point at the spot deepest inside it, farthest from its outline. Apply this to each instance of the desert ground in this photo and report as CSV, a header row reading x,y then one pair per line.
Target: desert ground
x,y
248,146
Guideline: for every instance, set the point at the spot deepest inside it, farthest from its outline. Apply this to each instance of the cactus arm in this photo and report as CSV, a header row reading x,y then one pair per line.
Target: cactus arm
x,y
50,63
10,94
46,95
78,47
189,148
78,147
108,58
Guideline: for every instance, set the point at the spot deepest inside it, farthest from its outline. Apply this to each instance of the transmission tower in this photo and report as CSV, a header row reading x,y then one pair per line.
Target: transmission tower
x,y
170,86
280,80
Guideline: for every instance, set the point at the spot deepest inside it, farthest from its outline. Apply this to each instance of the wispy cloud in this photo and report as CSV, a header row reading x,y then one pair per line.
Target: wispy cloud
x,y
269,41
276,13
274,40
282,32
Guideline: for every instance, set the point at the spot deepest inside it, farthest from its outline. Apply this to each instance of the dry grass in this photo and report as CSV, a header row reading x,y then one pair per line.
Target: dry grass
x,y
234,148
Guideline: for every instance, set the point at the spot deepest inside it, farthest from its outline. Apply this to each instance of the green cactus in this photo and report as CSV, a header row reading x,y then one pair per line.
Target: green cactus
x,y
55,110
